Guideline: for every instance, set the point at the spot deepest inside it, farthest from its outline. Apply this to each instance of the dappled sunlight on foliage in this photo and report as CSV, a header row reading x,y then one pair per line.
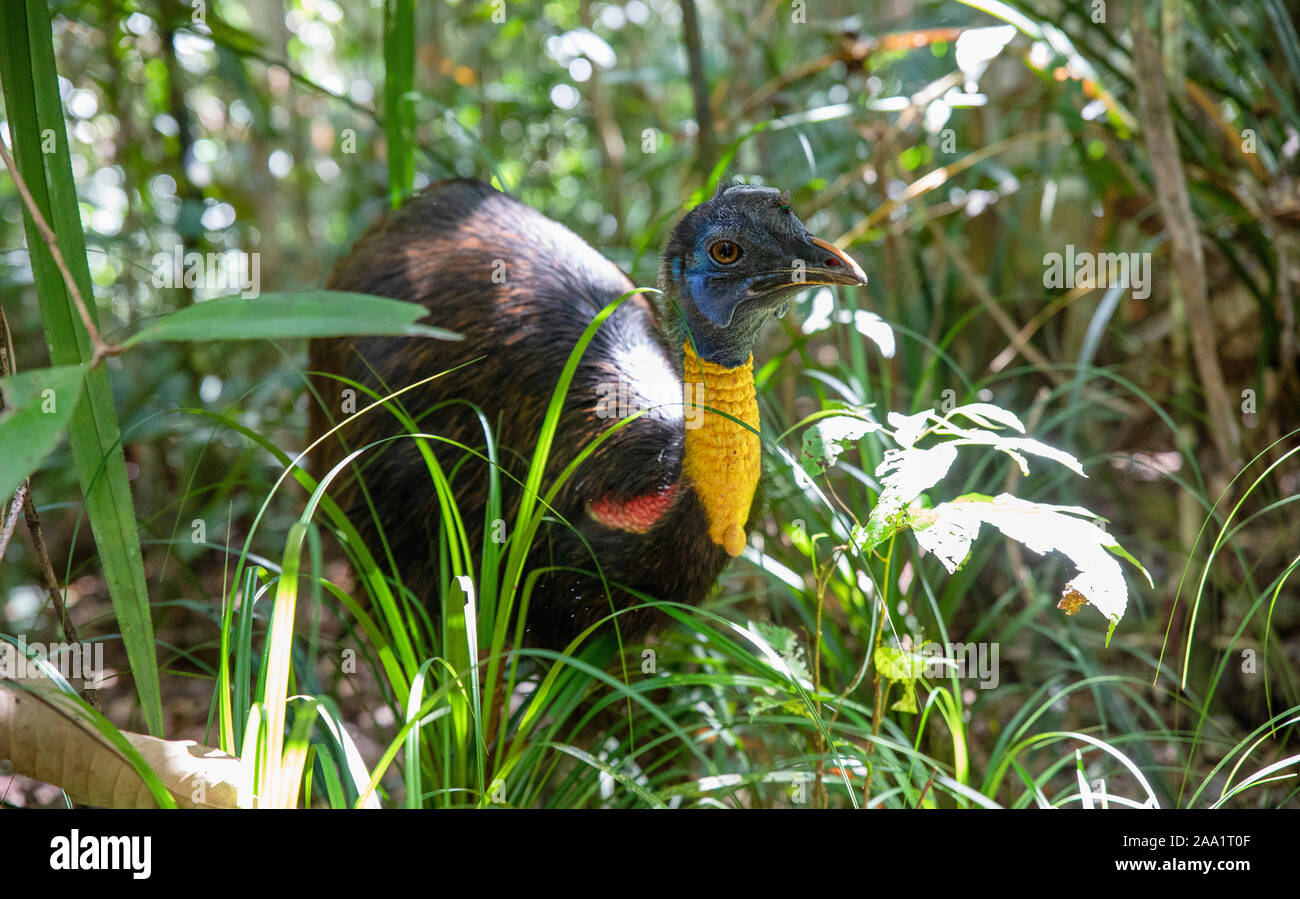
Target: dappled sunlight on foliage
x,y
1071,379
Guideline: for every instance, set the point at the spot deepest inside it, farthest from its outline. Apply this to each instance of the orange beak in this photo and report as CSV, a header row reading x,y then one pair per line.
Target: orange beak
x,y
838,264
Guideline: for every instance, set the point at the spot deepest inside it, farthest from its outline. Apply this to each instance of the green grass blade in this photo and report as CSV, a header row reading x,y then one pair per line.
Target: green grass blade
x,y
32,104
399,83
275,792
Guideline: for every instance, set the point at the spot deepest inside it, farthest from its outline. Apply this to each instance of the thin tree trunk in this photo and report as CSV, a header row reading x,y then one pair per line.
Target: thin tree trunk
x,y
706,153
1188,268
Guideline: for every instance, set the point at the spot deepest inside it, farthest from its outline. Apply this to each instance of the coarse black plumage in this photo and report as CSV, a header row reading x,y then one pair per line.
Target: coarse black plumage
x,y
522,289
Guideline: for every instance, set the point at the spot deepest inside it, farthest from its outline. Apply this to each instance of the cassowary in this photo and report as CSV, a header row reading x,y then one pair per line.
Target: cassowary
x,y
665,501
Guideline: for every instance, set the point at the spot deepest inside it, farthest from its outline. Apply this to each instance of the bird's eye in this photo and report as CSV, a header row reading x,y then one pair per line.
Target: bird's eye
x,y
725,252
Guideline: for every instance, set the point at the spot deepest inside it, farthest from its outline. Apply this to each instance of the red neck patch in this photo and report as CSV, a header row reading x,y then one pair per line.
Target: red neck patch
x,y
636,515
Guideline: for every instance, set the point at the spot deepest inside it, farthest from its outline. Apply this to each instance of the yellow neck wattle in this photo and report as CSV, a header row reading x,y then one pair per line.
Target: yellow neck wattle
x,y
723,459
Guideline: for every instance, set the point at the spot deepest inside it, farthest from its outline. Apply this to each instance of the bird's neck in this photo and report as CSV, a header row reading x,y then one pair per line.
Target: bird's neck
x,y
722,458
681,320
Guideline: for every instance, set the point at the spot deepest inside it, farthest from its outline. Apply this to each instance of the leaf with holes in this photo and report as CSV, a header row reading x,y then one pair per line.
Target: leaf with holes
x,y
827,439
905,474
949,529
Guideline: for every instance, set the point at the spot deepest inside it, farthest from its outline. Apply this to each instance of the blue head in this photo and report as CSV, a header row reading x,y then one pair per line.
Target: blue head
x,y
733,262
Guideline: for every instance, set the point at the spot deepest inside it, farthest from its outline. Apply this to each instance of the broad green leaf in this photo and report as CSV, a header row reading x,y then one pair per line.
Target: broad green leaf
x,y
315,313
948,530
37,407
906,702
785,655
903,666
35,113
905,475
824,441
987,415
1014,446
898,664
948,537
786,644
909,428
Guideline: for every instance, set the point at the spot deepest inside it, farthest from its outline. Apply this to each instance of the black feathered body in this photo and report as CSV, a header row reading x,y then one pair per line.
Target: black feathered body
x,y
521,289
